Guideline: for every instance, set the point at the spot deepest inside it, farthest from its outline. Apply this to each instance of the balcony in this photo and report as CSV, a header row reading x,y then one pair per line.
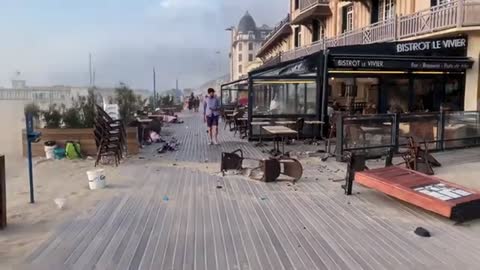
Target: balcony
x,y
449,16
279,32
311,9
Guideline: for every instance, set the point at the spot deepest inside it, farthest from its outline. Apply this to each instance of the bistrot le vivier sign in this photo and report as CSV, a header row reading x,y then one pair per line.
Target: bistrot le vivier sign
x,y
431,45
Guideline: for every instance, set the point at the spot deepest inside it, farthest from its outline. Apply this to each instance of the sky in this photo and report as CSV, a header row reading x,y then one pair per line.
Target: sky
x,y
48,41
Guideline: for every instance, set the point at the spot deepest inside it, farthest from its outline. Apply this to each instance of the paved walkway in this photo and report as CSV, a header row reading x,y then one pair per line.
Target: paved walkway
x,y
177,218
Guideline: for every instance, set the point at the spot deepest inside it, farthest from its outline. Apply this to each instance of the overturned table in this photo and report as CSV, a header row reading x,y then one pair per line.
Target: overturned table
x,y
280,133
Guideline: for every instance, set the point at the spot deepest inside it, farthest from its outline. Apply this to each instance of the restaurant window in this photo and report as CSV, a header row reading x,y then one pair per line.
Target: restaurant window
x,y
386,9
285,98
250,57
250,46
240,58
454,93
397,93
298,37
428,93
240,46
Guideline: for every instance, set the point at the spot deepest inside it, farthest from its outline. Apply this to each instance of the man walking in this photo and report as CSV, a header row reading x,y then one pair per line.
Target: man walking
x,y
211,114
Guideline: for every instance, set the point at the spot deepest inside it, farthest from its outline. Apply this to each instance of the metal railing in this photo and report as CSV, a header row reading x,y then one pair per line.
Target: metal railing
x,y
454,14
306,4
374,134
277,28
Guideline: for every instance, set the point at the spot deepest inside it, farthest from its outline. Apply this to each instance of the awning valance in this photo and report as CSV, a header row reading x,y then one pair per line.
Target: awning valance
x,y
392,62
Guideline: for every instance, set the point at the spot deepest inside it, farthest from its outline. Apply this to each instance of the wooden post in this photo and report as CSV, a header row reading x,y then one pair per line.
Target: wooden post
x,y
3,193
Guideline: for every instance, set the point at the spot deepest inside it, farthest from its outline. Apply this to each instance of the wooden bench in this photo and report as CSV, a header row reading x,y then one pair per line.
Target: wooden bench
x,y
430,193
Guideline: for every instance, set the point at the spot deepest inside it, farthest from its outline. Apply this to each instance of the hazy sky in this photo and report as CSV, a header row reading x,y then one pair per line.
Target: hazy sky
x,y
49,40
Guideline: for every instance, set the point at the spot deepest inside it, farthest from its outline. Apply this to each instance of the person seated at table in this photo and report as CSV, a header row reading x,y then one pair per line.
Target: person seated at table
x,y
275,106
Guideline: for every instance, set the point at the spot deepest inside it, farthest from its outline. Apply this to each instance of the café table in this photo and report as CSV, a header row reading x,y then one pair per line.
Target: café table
x,y
280,133
260,124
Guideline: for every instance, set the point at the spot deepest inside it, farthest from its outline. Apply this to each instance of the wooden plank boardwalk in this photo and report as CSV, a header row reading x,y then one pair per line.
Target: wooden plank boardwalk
x,y
177,218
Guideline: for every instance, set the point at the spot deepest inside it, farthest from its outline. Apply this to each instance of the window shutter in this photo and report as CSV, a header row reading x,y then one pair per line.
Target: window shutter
x,y
344,19
374,12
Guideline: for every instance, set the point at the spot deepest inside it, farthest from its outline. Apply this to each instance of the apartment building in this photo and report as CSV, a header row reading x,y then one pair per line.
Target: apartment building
x,y
246,40
392,55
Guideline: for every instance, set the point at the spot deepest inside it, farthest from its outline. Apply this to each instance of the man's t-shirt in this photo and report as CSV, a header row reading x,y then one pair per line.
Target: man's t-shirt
x,y
211,106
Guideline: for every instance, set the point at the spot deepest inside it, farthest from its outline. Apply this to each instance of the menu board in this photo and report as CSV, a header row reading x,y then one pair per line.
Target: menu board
x,y
443,192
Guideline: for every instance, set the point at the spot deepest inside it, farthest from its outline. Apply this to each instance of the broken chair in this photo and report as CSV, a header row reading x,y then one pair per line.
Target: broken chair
x,y
271,168
418,159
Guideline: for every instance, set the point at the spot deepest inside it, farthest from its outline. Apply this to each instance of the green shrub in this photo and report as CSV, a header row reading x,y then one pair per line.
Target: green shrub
x,y
52,117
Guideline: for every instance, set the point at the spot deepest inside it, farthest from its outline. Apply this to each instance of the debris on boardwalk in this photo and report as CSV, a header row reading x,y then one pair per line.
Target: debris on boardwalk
x,y
422,232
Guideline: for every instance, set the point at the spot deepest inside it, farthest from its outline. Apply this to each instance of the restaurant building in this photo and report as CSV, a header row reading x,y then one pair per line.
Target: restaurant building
x,y
369,55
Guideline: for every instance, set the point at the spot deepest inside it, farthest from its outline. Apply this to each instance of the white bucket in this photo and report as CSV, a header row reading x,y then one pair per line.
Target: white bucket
x,y
96,179
50,152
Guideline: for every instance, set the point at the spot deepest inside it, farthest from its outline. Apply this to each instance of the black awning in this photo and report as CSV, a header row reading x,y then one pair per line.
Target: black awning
x,y
395,62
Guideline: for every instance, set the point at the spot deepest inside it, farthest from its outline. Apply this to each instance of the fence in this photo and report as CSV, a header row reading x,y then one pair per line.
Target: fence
x,y
375,134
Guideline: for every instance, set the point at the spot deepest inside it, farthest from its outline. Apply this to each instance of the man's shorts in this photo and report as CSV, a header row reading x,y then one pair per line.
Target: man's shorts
x,y
212,121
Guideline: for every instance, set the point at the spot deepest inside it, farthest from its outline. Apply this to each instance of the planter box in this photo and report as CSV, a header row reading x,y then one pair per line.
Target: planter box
x,y
84,136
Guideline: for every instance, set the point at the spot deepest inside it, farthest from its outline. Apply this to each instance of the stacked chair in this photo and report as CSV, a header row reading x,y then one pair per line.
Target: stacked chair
x,y
110,137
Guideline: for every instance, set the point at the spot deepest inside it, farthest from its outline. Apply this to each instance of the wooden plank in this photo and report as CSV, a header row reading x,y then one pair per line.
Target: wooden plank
x,y
167,178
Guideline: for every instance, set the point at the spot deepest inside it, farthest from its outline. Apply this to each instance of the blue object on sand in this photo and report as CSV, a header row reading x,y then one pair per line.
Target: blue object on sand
x,y
59,153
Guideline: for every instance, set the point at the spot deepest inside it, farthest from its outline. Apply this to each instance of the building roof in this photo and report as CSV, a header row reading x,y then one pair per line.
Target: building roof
x,y
247,24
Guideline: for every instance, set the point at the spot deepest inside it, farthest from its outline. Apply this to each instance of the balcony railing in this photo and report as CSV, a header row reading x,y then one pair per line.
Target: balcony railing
x,y
277,28
306,4
455,14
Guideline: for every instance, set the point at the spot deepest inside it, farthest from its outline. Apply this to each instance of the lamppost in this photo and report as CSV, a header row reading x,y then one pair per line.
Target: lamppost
x,y
231,29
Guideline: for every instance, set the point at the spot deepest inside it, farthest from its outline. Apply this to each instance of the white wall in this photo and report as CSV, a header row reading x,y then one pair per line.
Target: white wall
x,y
12,121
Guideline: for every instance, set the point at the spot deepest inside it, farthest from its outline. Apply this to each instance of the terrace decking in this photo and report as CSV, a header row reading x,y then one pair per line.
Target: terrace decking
x,y
176,218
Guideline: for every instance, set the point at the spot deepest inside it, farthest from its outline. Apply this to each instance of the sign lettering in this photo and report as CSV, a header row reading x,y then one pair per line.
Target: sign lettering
x,y
418,46
400,64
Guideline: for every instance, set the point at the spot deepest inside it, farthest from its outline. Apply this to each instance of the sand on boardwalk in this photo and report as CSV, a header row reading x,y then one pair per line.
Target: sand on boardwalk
x,y
30,224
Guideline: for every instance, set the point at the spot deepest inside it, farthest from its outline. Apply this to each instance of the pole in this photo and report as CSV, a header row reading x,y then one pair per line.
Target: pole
x,y
29,147
90,68
3,194
324,91
154,89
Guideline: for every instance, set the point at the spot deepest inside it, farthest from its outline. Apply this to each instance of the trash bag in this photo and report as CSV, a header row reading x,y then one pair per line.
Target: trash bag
x,y
72,150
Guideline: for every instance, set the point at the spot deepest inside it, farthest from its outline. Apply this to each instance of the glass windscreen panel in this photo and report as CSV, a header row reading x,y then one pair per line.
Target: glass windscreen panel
x,y
461,129
289,97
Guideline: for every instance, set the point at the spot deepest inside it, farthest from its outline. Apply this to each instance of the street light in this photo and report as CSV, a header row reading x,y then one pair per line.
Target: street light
x,y
231,29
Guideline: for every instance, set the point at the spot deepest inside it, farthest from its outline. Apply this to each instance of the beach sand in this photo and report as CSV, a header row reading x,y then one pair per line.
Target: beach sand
x,y
29,224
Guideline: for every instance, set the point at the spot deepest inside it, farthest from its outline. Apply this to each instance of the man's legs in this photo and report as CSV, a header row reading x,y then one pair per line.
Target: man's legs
x,y
210,128
215,128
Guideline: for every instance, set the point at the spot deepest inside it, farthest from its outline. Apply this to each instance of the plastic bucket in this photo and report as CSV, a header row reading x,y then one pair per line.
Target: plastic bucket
x,y
96,179
50,151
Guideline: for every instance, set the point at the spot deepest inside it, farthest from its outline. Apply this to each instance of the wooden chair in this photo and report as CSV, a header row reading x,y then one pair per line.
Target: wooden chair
x,y
299,125
237,124
110,137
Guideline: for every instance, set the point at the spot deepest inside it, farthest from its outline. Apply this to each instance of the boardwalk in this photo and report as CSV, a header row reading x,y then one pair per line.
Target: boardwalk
x,y
177,218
